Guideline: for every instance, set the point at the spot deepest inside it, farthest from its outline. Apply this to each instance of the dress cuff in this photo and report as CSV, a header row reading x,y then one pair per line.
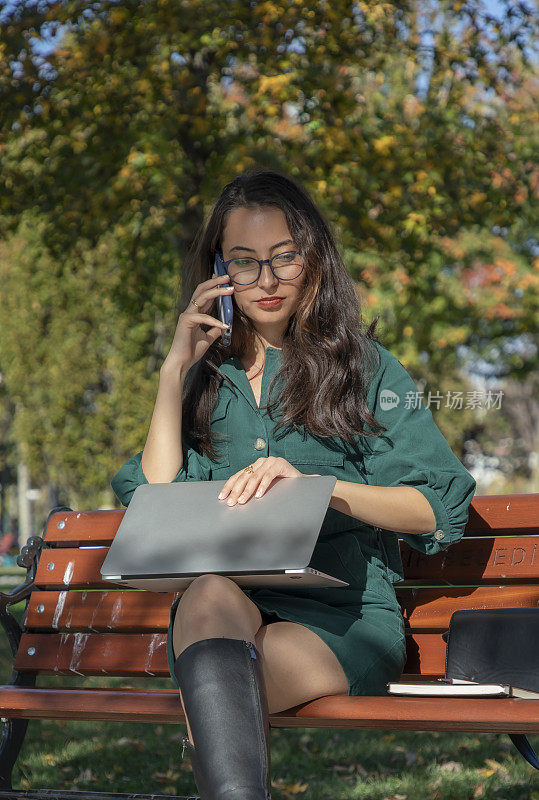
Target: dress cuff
x,y
441,536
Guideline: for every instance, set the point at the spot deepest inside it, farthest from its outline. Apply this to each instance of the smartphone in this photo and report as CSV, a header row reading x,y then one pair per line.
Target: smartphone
x,y
224,302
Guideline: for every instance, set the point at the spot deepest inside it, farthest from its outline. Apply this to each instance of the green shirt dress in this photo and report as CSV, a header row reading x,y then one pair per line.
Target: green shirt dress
x,y
362,623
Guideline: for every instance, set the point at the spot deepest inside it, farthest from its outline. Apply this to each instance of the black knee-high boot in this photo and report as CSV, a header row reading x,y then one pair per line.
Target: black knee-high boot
x,y
224,695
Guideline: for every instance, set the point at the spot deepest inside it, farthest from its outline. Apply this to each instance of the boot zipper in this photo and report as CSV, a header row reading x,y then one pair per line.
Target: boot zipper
x,y
184,740
250,647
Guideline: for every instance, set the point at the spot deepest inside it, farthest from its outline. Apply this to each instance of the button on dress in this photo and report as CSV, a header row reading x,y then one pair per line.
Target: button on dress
x,y
362,623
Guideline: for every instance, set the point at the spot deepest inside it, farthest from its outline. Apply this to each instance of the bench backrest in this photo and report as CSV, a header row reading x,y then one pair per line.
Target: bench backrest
x,y
77,624
495,565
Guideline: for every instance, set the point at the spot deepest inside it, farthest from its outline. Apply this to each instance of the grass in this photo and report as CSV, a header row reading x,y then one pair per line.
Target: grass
x,y
319,764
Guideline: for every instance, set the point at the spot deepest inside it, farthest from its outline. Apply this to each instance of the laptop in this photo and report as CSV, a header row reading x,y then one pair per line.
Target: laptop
x,y
172,532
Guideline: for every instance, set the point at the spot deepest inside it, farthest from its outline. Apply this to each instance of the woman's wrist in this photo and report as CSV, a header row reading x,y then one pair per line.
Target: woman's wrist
x,y
173,370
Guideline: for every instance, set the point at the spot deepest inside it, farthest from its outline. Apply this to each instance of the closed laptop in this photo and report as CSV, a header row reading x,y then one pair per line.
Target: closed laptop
x,y
173,532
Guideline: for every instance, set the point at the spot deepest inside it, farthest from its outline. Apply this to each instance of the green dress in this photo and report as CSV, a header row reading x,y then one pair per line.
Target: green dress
x,y
361,623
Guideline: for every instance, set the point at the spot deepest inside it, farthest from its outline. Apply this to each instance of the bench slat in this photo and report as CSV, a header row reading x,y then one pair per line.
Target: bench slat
x,y
128,611
489,515
497,513
145,654
511,559
93,654
119,610
508,559
500,715
431,609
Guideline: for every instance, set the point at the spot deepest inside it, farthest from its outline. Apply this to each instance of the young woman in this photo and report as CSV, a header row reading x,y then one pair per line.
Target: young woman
x,y
347,408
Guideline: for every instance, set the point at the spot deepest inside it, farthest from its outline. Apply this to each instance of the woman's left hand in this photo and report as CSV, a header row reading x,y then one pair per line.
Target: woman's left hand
x,y
242,485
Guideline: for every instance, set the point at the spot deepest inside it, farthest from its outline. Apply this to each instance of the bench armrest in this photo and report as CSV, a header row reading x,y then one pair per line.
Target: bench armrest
x,y
28,557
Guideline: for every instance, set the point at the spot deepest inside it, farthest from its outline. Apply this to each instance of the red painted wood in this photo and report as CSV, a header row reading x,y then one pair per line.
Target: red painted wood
x,y
471,561
116,632
337,711
503,514
145,654
488,515
107,611
128,611
431,609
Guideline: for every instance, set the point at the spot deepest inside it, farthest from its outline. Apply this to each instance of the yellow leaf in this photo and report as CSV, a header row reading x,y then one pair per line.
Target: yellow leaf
x,y
384,144
290,788
273,83
493,764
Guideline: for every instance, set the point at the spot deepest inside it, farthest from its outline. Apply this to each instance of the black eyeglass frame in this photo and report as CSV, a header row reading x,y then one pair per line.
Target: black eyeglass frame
x,y
260,262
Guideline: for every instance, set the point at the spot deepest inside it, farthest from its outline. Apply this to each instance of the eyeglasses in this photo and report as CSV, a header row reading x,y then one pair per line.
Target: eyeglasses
x,y
245,270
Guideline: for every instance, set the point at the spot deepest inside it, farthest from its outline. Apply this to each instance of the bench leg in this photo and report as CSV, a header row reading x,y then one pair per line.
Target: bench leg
x,y
12,733
525,749
13,729
12,737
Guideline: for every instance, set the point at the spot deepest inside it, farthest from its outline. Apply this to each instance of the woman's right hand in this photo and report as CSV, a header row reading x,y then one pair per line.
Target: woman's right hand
x,y
190,341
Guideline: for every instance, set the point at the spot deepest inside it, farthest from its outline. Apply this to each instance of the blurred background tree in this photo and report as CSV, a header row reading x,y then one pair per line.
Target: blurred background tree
x,y
413,125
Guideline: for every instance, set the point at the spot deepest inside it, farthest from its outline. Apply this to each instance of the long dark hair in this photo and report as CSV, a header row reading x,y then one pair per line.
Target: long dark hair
x,y
328,356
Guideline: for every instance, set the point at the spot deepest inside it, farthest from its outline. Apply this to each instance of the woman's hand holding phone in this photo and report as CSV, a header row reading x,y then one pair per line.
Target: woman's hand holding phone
x,y
190,341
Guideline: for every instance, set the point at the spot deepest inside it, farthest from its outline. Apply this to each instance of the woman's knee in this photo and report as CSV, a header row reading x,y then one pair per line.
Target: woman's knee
x,y
208,595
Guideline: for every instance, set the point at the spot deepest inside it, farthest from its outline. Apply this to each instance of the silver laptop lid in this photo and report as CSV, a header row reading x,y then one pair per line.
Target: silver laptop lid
x,y
182,528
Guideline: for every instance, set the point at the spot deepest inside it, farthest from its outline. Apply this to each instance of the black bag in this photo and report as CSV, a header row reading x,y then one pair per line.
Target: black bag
x,y
496,645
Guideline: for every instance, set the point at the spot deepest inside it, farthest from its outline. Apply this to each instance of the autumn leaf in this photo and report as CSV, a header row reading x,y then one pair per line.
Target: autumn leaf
x,y
290,789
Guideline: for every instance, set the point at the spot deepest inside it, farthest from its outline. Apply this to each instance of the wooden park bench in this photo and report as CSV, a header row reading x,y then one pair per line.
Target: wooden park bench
x,y
70,630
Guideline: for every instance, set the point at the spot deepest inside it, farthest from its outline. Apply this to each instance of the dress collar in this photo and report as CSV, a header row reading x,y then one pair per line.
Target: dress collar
x,y
235,371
